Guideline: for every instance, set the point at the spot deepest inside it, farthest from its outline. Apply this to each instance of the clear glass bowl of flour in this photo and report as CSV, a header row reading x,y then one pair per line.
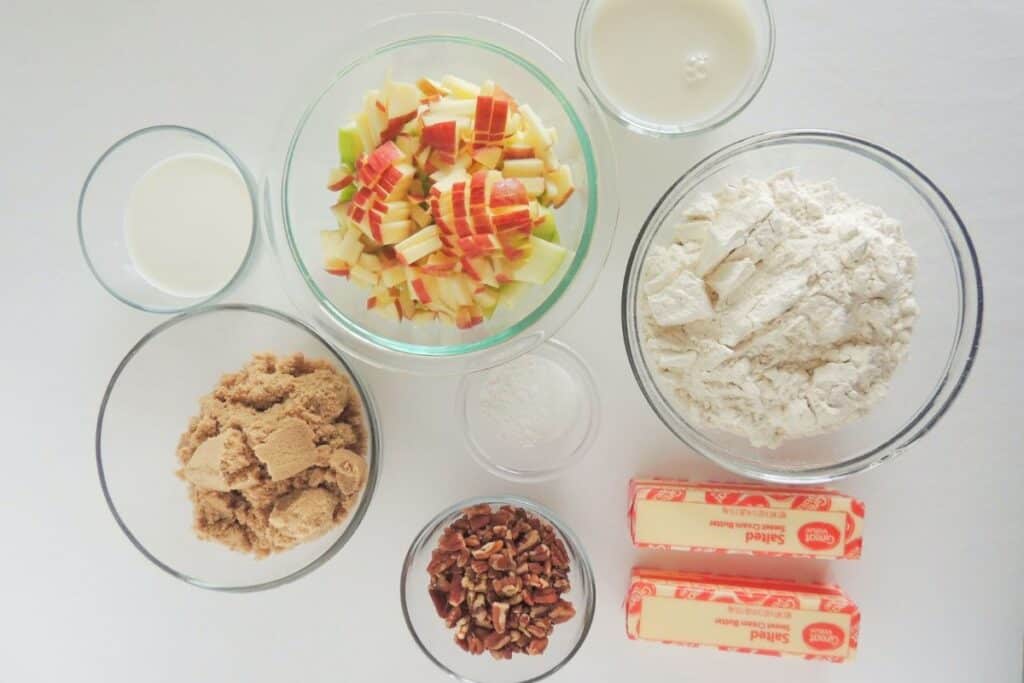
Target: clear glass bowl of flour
x,y
947,288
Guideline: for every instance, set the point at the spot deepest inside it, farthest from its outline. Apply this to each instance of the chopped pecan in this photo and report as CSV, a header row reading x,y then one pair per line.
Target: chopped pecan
x,y
499,616
496,641
561,612
537,646
487,550
451,541
495,579
440,601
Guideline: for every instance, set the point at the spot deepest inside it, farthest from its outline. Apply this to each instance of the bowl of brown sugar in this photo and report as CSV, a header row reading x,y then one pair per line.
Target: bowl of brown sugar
x,y
236,449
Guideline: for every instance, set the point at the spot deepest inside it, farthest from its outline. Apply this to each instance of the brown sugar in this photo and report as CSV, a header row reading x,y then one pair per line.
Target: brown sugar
x,y
276,455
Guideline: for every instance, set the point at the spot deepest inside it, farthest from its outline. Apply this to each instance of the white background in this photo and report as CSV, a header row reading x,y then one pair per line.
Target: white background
x,y
940,81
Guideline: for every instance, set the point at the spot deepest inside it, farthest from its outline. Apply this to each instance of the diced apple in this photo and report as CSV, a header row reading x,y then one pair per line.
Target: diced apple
x,y
363,276
442,136
510,293
488,157
408,144
456,291
367,140
420,215
418,245
559,185
546,228
519,152
535,187
393,275
392,232
452,107
431,88
508,192
339,178
351,245
515,219
480,269
544,261
378,161
331,246
443,180
394,182
522,168
536,133
468,316
460,88
350,144
340,211
401,99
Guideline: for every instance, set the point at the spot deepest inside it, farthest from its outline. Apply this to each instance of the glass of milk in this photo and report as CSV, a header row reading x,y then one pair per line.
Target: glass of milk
x,y
167,219
674,67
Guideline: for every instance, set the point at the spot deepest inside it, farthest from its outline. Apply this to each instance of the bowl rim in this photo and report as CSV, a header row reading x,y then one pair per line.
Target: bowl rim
x,y
449,513
239,166
373,453
966,341
599,220
643,127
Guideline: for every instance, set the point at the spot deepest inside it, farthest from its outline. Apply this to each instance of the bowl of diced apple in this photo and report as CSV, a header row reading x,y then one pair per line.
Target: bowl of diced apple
x,y
445,199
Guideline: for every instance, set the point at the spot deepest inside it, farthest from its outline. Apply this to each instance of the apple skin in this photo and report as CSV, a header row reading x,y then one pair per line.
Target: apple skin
x,y
350,145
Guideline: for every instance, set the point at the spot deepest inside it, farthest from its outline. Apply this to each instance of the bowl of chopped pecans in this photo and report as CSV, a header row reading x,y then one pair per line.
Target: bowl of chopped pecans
x,y
498,590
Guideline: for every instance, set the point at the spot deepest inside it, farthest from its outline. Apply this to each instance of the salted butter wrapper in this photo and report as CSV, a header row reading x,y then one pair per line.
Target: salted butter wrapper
x,y
745,518
734,614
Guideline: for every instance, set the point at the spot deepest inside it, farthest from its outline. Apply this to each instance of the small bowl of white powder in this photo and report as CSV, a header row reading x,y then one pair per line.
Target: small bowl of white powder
x,y
167,219
801,306
532,418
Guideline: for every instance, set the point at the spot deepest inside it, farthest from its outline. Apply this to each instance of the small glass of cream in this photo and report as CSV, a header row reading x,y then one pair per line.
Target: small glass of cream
x,y
674,67
167,219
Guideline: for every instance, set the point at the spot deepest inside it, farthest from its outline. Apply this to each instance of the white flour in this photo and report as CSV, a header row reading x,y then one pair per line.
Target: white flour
x,y
530,401
780,311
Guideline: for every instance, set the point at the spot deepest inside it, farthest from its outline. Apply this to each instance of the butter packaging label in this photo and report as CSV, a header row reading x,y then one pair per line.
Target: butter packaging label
x,y
745,518
742,615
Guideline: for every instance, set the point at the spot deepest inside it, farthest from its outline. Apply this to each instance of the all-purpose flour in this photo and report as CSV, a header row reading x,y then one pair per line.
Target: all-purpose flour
x,y
780,311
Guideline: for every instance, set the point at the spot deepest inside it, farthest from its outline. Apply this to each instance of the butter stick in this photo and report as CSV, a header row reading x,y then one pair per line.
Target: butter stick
x,y
745,518
735,614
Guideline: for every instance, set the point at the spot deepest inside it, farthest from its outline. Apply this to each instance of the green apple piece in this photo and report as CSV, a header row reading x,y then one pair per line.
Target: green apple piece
x,y
347,193
510,293
543,262
350,144
548,230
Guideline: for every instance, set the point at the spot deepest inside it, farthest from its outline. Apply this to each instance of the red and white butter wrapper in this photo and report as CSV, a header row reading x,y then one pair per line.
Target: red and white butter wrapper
x,y
745,518
757,616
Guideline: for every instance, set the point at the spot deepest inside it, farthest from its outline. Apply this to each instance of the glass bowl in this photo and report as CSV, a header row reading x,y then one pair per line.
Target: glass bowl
x,y
296,206
147,405
437,641
524,460
764,53
101,208
947,288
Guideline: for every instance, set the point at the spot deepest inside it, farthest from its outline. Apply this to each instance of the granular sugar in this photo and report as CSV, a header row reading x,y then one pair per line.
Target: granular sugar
x,y
781,310
531,401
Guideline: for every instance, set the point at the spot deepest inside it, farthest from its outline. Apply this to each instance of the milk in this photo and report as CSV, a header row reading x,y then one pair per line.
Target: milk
x,y
188,224
672,61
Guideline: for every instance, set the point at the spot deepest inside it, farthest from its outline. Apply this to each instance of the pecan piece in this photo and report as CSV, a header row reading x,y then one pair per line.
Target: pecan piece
x,y
487,550
507,586
545,596
452,541
496,641
499,616
501,562
562,611
537,646
440,601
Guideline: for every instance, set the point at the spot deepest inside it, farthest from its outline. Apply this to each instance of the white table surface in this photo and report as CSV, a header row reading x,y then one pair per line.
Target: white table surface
x,y
940,584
